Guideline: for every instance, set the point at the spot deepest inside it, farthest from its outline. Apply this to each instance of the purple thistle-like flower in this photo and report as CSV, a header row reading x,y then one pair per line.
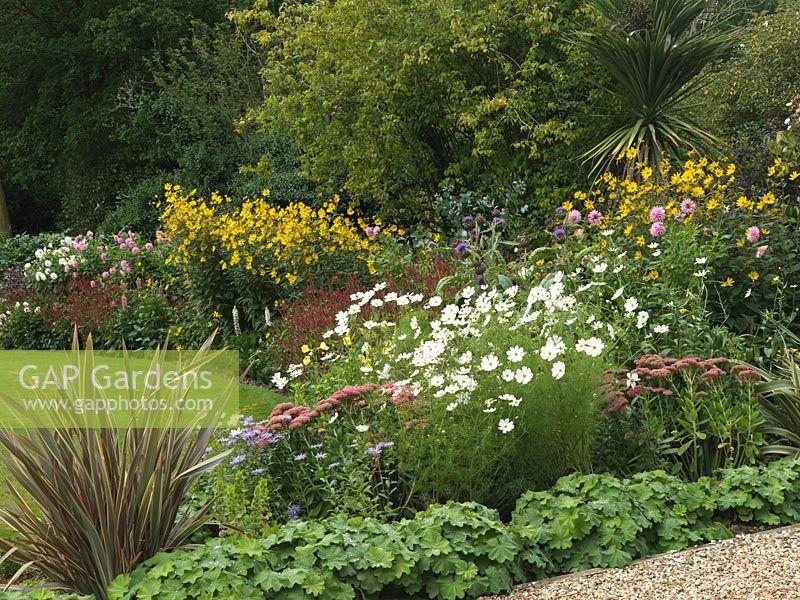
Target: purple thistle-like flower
x,y
560,234
468,222
461,247
480,279
247,421
293,512
560,212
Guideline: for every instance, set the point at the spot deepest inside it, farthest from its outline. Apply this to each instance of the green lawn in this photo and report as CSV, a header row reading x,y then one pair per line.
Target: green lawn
x,y
257,402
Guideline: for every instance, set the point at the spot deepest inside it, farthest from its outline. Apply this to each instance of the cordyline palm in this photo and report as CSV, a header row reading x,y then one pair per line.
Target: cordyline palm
x,y
651,55
779,396
90,504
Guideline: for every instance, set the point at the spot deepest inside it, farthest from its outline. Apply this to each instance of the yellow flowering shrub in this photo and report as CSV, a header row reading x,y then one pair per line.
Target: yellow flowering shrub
x,y
692,232
700,191
250,253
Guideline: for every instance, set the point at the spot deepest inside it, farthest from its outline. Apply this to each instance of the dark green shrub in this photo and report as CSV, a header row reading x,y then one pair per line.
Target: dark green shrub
x,y
746,99
23,328
20,249
391,101
141,323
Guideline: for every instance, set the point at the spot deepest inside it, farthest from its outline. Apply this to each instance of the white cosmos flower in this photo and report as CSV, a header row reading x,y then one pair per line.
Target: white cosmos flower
x,y
515,353
505,425
553,347
642,318
652,245
280,381
434,301
507,375
700,261
465,382
452,406
601,268
449,314
465,358
437,381
591,347
661,328
558,369
631,304
468,292
523,375
511,399
489,362
362,428
701,273
631,379
748,293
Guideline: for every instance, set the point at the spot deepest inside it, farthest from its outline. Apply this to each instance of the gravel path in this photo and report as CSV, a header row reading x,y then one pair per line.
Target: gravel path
x,y
758,566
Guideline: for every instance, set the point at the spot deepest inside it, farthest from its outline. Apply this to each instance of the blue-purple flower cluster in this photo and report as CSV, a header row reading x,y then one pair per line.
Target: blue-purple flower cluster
x,y
378,448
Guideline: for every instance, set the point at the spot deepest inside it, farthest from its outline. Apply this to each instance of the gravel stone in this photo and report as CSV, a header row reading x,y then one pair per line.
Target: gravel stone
x,y
757,566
